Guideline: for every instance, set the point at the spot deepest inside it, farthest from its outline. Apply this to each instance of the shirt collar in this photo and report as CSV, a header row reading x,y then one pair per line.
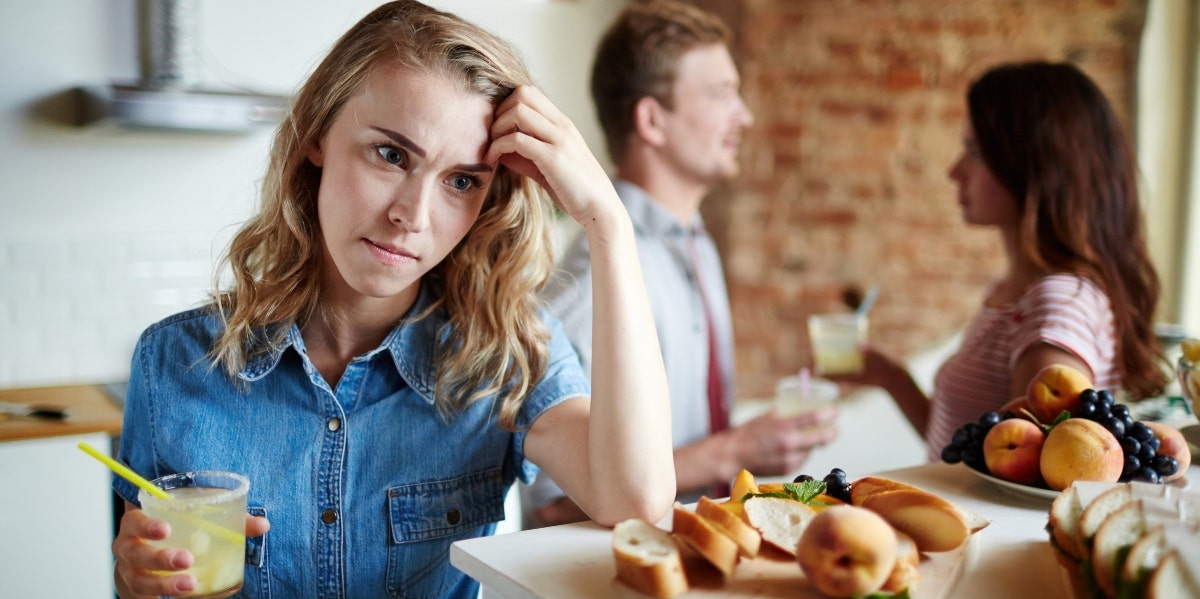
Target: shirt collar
x,y
650,217
411,344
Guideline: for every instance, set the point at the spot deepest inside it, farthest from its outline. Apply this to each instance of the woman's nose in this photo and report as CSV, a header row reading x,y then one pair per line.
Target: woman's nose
x,y
411,204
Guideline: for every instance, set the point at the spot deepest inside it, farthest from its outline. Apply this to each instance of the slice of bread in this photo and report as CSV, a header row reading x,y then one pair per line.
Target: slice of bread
x,y
648,559
1119,531
747,537
706,538
1094,513
906,573
932,522
780,521
1171,579
864,488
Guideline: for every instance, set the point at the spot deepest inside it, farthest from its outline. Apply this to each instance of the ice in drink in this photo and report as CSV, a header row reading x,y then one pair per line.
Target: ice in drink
x,y
207,513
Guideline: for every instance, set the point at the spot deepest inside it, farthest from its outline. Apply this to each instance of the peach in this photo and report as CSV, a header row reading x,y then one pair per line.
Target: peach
x,y
1018,407
847,551
1013,450
1056,388
1079,449
1172,443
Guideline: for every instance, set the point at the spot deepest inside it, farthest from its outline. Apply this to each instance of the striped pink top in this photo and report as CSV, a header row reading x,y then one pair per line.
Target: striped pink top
x,y
1063,310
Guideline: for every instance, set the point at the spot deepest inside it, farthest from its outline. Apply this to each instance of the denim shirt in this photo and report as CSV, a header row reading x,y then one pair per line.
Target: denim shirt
x,y
366,485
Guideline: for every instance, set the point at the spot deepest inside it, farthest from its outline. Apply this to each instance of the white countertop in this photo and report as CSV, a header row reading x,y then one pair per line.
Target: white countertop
x,y
1010,558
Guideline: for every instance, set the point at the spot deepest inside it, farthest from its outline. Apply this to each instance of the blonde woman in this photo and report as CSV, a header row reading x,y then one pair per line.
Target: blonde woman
x,y
379,367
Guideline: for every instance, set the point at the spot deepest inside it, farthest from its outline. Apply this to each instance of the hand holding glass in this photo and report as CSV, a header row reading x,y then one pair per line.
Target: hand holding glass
x,y
796,395
204,509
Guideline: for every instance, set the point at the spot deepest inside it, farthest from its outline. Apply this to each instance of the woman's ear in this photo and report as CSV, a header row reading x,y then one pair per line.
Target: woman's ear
x,y
648,121
315,155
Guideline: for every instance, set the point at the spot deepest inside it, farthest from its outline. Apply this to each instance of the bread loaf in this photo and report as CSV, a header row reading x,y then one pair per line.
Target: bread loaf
x,y
780,521
905,574
748,538
917,512
648,559
706,538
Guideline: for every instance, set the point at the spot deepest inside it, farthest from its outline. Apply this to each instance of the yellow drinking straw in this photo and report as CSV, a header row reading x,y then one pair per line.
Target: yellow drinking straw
x,y
137,479
125,473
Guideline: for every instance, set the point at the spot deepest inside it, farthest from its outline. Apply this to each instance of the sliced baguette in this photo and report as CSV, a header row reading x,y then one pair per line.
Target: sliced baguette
x,y
1063,526
1094,514
747,537
1119,531
906,573
868,486
648,559
706,538
1171,579
779,521
932,522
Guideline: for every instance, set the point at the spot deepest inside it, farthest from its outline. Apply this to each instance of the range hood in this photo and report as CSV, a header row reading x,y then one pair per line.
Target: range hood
x,y
169,94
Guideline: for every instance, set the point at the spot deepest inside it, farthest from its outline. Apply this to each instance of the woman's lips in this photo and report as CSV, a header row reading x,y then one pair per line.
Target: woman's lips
x,y
390,254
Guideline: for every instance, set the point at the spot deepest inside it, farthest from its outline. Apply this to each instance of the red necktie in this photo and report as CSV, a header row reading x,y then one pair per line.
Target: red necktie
x,y
718,414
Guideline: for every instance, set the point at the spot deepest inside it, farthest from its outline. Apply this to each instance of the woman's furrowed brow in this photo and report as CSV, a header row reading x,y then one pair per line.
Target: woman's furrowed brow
x,y
408,144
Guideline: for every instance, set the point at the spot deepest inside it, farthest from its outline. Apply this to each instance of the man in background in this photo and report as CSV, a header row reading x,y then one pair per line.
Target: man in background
x,y
666,91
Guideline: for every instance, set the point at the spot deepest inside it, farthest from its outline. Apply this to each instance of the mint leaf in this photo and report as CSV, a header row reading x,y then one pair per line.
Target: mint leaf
x,y
806,491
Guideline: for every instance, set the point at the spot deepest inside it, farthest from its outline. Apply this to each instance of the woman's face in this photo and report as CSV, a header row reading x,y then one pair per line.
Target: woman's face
x,y
403,179
983,199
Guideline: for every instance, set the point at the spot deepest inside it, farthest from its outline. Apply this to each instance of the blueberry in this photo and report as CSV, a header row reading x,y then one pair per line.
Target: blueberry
x,y
1130,446
1087,410
1105,397
1164,465
1139,431
1146,474
952,454
1120,411
1153,442
961,438
1132,465
1116,426
1146,453
803,478
989,419
836,478
1088,396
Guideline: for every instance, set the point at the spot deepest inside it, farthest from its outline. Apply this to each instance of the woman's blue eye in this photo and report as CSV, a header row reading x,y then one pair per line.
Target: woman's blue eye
x,y
463,182
390,154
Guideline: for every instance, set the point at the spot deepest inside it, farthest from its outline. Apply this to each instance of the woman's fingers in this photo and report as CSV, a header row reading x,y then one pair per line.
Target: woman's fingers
x,y
140,565
256,526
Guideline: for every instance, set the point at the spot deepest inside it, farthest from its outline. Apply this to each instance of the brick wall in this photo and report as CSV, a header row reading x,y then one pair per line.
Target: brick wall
x,y
858,107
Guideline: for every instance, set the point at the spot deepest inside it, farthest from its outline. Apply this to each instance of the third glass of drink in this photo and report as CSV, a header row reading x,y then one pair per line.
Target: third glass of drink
x,y
207,514
836,339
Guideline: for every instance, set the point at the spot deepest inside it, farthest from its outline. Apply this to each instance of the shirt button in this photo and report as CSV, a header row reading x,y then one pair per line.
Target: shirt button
x,y
334,424
329,516
453,516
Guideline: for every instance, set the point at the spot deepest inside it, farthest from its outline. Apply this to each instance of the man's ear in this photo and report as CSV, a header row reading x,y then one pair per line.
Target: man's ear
x,y
315,155
649,121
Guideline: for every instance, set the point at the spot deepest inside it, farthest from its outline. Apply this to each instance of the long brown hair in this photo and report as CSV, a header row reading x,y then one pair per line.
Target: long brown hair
x,y
1051,137
495,342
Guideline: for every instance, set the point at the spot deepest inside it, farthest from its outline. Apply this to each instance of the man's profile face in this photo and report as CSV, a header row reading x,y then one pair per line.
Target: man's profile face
x,y
704,128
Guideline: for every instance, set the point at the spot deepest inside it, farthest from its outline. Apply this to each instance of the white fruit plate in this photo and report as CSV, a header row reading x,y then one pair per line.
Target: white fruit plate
x,y
1016,488
1040,493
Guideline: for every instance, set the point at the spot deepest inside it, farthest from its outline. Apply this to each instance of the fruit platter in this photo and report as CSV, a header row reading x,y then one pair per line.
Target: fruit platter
x,y
871,537
1064,430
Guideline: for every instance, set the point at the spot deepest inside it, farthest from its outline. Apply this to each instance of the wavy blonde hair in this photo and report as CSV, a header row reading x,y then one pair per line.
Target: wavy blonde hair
x,y
494,342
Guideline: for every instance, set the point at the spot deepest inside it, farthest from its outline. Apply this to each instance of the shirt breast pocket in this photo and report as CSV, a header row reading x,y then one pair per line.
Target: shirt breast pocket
x,y
425,518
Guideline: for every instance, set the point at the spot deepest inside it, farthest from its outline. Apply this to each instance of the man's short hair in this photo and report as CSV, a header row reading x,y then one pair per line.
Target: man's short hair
x,y
638,57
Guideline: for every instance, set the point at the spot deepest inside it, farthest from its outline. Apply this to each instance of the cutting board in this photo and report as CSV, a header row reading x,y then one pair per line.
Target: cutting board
x,y
89,410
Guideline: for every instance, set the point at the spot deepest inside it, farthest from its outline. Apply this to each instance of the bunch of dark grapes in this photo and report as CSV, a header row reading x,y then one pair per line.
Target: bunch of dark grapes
x,y
966,445
1142,460
836,484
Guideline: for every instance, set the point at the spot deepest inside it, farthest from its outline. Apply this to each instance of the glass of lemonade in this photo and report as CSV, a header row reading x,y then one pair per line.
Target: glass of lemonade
x,y
835,341
207,512
799,394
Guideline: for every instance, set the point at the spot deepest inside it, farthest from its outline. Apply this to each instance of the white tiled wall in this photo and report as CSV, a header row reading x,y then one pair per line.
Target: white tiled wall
x,y
71,310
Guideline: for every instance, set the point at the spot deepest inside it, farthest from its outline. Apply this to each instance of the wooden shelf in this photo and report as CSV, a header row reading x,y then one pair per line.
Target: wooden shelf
x,y
90,410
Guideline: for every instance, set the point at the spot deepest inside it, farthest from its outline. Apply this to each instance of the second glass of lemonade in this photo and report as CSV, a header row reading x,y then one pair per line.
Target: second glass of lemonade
x,y
207,512
835,341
